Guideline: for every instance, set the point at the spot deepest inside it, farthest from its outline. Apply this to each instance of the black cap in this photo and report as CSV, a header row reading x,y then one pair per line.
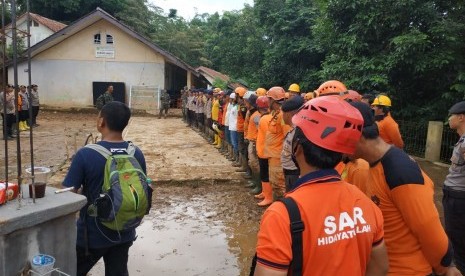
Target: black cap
x,y
458,108
292,104
253,100
367,113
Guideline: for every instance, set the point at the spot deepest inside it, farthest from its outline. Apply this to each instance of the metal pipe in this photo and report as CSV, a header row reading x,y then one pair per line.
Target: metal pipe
x,y
5,129
15,84
31,137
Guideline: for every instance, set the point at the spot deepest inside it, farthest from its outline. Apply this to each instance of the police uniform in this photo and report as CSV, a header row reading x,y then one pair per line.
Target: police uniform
x,y
454,196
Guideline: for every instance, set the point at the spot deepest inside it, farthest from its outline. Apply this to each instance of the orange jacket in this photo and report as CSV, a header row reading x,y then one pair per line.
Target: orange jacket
x,y
252,129
389,131
337,239
240,118
261,134
275,135
415,239
356,172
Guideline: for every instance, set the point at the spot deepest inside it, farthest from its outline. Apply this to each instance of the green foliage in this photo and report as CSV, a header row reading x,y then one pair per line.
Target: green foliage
x,y
220,84
410,49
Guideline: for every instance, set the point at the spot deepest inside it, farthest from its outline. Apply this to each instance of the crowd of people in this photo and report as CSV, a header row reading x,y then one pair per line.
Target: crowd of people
x,y
28,100
359,204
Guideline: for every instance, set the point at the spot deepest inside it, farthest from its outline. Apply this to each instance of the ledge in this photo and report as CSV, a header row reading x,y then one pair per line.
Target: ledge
x,y
15,217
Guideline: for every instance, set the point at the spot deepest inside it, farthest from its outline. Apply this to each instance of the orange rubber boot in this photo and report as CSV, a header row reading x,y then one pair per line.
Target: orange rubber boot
x,y
268,193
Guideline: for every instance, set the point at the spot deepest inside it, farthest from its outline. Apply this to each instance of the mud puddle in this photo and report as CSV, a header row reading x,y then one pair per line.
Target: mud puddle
x,y
195,230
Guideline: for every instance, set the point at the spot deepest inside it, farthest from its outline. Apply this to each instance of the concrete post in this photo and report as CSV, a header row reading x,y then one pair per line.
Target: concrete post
x,y
46,227
189,79
433,141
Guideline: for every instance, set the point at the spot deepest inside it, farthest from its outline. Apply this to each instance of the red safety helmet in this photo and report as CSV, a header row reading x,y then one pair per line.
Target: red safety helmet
x,y
330,123
277,93
332,88
263,102
353,96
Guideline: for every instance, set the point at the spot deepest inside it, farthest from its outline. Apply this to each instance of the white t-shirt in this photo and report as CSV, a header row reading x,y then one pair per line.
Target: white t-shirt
x,y
233,117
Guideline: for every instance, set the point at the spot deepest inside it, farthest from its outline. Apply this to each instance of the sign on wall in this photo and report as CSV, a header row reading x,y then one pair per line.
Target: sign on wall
x,y
105,52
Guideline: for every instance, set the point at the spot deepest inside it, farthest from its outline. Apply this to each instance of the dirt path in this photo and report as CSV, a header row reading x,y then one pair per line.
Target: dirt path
x,y
203,221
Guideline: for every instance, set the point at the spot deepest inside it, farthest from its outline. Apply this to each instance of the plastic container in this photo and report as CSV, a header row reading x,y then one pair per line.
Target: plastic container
x,y
41,177
43,264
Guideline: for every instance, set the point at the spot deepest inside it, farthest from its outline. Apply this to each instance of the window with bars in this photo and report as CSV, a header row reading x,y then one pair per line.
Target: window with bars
x,y
97,39
109,39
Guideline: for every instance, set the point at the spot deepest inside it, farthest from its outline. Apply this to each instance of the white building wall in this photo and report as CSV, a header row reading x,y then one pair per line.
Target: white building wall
x,y
68,83
38,33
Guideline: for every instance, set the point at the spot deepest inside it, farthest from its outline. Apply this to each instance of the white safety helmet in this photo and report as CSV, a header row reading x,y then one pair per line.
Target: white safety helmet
x,y
232,96
248,94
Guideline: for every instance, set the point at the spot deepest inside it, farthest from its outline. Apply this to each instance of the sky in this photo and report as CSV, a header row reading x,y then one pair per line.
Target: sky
x,y
188,8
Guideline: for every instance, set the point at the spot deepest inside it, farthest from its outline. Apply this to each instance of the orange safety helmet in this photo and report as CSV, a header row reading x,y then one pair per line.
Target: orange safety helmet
x,y
353,96
240,91
332,88
330,123
261,92
277,93
263,102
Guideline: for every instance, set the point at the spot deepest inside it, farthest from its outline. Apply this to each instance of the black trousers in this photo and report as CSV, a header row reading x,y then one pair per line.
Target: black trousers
x,y
454,217
8,120
115,259
35,112
264,169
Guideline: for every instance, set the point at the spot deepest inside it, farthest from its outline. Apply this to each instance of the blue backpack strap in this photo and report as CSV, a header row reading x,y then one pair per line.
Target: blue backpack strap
x,y
297,227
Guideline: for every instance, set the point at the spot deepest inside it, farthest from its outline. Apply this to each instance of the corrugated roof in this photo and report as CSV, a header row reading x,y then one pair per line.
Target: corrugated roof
x,y
213,74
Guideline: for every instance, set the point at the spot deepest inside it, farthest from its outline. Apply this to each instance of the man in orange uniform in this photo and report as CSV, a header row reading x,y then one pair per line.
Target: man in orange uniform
x,y
342,232
356,172
388,128
262,126
416,242
274,140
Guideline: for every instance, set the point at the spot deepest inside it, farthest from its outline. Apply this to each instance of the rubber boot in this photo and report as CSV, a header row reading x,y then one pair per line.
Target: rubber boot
x,y
215,140
260,195
25,125
237,161
219,142
250,184
241,168
268,193
230,153
21,126
257,192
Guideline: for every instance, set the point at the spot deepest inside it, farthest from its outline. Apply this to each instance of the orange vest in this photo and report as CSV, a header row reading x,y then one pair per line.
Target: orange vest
x,y
261,134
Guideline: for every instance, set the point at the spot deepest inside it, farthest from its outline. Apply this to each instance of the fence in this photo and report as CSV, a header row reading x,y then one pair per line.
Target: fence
x,y
449,139
144,97
414,136
415,139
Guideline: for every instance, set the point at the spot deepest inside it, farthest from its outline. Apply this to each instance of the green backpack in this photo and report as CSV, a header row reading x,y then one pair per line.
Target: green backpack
x,y
126,194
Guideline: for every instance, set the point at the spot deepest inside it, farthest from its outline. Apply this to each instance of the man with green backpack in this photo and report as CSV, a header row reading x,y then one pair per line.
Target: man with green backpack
x,y
112,175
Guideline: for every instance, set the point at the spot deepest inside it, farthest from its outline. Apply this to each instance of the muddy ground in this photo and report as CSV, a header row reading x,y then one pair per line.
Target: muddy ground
x,y
203,221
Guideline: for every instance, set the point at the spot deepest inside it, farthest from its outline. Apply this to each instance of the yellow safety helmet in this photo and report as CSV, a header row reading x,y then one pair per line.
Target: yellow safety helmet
x,y
294,88
261,92
382,100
